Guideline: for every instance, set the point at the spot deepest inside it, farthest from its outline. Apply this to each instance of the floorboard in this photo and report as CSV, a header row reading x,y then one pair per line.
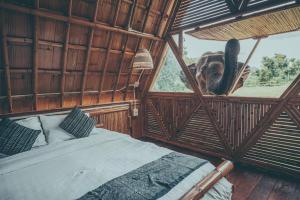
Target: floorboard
x,y
250,183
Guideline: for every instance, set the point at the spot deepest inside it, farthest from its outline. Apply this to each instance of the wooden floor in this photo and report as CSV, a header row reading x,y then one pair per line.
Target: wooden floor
x,y
252,184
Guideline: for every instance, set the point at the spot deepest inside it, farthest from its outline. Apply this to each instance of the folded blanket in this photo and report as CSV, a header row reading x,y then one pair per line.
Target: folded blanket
x,y
150,181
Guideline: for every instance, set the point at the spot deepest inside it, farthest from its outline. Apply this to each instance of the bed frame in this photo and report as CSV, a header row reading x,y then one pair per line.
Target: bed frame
x,y
199,190
117,118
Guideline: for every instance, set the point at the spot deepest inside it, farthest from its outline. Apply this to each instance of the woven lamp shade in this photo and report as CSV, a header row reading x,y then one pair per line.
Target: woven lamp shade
x,y
142,60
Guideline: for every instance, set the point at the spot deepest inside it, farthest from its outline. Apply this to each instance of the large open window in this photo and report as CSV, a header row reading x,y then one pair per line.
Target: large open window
x,y
273,66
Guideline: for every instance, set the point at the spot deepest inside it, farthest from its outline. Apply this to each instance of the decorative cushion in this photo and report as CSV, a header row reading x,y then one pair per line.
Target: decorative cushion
x,y
78,123
15,138
34,123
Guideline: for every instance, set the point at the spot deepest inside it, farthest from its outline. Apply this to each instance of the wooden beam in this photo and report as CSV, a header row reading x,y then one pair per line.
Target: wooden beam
x,y
6,62
197,91
240,73
172,17
131,14
117,12
35,57
74,20
88,53
148,10
165,17
86,65
105,66
158,30
65,56
119,70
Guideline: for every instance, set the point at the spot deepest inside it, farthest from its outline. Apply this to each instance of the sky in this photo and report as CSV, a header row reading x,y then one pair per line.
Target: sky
x,y
287,44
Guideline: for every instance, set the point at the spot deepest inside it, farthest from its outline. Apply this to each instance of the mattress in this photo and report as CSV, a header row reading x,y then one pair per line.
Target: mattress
x,y
69,169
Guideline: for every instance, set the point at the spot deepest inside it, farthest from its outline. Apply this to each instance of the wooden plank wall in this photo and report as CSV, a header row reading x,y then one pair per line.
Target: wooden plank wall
x,y
256,135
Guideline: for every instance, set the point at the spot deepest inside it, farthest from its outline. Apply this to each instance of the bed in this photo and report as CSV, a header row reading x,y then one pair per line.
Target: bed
x,y
70,169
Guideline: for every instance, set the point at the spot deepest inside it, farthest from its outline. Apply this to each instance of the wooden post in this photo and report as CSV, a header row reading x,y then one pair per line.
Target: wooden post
x,y
65,56
236,80
6,63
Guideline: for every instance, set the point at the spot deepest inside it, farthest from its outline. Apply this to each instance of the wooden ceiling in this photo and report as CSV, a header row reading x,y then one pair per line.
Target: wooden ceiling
x,y
62,53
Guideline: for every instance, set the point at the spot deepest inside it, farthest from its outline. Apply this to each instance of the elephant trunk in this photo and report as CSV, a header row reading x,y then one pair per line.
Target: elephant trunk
x,y
223,86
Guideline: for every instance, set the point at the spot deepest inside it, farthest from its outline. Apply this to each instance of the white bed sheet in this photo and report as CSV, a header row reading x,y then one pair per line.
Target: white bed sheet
x,y
69,169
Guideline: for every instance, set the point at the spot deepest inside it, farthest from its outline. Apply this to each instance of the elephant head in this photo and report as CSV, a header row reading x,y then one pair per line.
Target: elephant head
x,y
215,72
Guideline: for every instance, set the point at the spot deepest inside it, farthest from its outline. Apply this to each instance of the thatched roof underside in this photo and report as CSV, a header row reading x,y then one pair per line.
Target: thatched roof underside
x,y
254,27
200,13
62,53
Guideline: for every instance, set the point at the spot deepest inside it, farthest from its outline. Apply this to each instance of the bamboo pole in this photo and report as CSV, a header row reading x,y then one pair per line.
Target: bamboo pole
x,y
200,189
240,73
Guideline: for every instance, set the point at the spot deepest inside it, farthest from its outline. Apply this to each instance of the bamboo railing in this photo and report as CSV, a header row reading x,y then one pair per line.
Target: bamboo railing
x,y
264,132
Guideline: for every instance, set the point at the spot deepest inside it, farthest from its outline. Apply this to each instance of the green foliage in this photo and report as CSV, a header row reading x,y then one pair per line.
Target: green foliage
x,y
168,79
276,70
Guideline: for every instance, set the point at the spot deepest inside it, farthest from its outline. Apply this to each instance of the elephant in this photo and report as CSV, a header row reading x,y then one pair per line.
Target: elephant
x,y
215,72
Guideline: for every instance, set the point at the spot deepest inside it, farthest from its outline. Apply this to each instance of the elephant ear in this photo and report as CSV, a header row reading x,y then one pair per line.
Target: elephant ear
x,y
203,60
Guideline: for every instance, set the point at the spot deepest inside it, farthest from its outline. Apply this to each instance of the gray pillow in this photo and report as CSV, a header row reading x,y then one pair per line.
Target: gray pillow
x,y
78,123
15,138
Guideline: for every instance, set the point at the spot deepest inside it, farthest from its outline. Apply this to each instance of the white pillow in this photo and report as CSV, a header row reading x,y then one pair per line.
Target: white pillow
x,y
34,123
59,135
52,130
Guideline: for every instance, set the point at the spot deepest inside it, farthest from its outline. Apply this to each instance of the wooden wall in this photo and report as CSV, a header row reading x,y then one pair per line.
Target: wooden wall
x,y
263,132
61,53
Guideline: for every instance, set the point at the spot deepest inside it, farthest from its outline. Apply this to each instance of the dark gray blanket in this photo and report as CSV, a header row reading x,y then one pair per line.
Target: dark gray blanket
x,y
151,181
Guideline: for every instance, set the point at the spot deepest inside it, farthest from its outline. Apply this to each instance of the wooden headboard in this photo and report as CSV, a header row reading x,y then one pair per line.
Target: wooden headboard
x,y
115,117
